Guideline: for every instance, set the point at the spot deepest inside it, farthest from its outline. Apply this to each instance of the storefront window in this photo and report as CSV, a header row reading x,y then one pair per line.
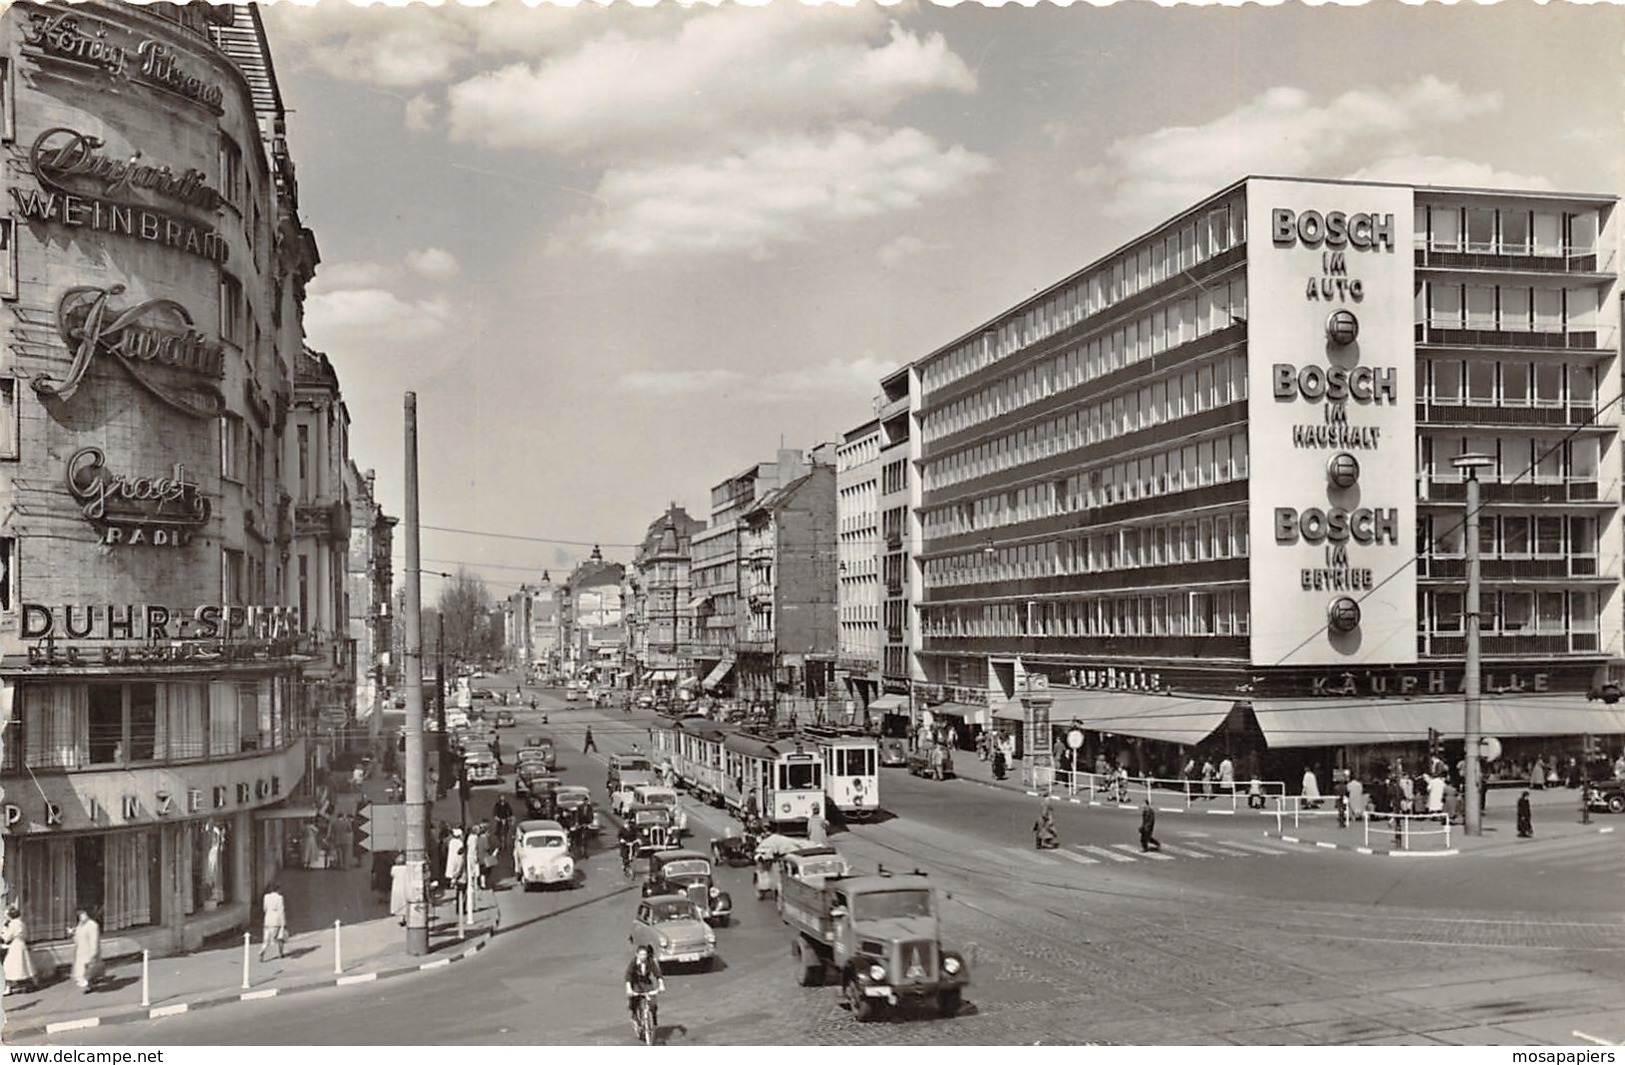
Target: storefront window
x,y
143,722
106,724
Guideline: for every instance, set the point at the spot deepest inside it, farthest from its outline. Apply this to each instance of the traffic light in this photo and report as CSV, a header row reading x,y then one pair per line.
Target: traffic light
x,y
1434,742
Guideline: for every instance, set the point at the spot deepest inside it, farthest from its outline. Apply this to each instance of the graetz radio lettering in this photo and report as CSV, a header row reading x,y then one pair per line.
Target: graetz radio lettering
x,y
1363,525
1333,229
1363,384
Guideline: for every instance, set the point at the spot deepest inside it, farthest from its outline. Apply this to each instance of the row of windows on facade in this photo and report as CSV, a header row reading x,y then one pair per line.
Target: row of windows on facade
x,y
82,726
1507,308
1197,464
118,875
1218,536
855,454
1511,536
1516,383
242,458
1216,383
1506,230
1516,458
1215,307
1173,249
1508,613
1222,612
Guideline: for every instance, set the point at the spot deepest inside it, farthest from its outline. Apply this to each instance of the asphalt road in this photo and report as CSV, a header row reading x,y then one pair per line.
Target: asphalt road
x,y
1227,938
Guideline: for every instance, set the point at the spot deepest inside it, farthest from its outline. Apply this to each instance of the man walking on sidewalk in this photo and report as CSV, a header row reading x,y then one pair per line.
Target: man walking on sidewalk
x,y
1148,826
276,920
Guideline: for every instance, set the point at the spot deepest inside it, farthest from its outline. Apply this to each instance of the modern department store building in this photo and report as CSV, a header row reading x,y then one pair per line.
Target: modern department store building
x,y
1201,491
154,273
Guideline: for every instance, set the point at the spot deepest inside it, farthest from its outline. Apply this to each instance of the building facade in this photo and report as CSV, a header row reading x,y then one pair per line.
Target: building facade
x,y
152,679
592,629
657,596
1203,489
369,579
858,543
899,505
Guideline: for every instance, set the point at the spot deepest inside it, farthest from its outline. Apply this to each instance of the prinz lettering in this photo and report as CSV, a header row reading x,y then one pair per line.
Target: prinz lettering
x,y
1333,229
136,807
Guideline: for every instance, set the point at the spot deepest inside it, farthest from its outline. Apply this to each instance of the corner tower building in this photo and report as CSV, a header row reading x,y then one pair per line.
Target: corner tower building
x,y
1201,491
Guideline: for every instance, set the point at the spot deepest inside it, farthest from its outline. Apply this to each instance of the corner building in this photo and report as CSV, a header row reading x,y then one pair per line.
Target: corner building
x,y
1202,492
155,268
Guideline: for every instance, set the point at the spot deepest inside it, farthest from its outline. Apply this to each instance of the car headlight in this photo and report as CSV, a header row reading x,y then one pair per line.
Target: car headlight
x,y
815,809
715,893
664,942
950,965
710,936
877,971
567,867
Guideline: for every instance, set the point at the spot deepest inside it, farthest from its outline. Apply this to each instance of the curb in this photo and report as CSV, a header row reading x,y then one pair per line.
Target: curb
x,y
141,1013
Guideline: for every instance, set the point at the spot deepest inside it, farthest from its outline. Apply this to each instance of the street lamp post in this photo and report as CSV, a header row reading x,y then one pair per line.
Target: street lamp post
x,y
1469,464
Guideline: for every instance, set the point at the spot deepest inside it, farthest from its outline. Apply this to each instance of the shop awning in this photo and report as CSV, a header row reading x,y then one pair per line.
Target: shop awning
x,y
688,682
1010,712
889,704
973,715
1336,722
716,676
699,601
660,674
1170,718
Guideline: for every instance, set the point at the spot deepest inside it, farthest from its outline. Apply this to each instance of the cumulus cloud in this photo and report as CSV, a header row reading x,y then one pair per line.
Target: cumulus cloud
x,y
856,375
904,247
378,44
1281,131
721,77
436,264
337,275
420,112
1444,170
366,318
776,193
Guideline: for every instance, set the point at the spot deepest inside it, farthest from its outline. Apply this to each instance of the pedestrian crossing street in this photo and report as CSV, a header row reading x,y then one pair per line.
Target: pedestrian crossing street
x,y
1123,853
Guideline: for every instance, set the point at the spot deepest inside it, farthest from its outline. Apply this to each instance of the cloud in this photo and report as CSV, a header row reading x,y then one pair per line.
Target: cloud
x,y
857,375
420,113
379,44
1281,131
904,247
720,78
337,275
1443,170
774,193
369,317
436,264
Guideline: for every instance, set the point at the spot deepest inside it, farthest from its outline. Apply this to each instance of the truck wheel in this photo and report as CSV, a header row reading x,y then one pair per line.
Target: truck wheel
x,y
863,1007
948,1002
809,970
1616,804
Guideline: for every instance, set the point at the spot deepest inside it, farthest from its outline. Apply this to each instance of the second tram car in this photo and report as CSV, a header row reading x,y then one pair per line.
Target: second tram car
x,y
783,779
851,774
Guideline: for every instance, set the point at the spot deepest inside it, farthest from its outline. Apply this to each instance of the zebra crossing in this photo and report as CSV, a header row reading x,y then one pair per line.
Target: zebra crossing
x,y
1124,853
1573,855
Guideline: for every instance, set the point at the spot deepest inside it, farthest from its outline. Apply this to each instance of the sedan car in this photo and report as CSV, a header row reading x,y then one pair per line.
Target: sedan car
x,y
571,695
674,930
576,800
689,874
533,776
505,719
894,754
1608,795
541,854
481,767
655,829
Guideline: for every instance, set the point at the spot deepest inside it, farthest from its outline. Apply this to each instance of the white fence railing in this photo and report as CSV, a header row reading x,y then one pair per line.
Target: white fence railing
x,y
1262,795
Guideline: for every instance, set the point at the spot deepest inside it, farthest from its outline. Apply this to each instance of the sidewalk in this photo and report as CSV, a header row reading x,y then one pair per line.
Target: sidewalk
x,y
372,946
1555,813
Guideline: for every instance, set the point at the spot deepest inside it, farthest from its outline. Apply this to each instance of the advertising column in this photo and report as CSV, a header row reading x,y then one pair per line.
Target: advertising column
x,y
1331,377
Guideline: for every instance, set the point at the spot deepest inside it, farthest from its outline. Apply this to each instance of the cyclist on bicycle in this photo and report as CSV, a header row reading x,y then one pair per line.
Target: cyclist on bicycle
x,y
502,814
643,978
628,838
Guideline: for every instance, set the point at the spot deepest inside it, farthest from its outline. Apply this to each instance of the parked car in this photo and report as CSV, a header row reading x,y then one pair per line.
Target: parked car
x,y
689,874
1608,795
481,693
480,765
505,719
541,854
671,927
646,701
894,754
571,695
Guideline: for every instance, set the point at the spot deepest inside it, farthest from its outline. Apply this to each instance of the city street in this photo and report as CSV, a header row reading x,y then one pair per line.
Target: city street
x,y
1225,938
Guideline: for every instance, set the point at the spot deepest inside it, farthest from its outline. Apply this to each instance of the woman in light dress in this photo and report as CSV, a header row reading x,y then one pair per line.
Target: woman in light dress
x,y
19,966
87,950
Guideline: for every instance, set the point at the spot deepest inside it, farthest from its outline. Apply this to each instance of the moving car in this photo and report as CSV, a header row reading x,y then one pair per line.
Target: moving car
x,y
480,765
894,754
543,749
622,792
505,719
533,776
689,874
627,763
541,854
571,695
576,800
1608,795
481,693
674,930
655,829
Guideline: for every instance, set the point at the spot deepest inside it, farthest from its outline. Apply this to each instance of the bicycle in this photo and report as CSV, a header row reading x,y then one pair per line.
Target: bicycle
x,y
628,857
644,1019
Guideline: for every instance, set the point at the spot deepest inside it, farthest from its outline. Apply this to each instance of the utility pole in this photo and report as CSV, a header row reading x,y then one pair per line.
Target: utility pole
x,y
1469,465
440,706
417,916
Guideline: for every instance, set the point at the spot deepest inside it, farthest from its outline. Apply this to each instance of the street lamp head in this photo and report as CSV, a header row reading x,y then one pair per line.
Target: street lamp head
x,y
1471,462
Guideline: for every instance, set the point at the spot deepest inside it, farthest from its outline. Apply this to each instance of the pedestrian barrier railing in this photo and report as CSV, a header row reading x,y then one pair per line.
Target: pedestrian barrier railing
x,y
1422,828
1299,808
1263,795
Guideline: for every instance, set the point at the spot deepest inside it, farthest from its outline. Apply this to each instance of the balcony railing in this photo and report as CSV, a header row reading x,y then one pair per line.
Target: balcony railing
x,y
1569,261
1563,491
1455,335
1484,414
1454,568
1449,645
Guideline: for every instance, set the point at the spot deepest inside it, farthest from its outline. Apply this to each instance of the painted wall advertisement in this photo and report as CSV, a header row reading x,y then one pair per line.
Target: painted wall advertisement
x,y
1332,418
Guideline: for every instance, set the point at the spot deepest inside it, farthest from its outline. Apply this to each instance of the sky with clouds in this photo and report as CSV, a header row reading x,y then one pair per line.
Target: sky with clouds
x,y
622,252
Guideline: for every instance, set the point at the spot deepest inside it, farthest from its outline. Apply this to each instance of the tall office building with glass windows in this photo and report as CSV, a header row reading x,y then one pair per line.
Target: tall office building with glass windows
x,y
1202,490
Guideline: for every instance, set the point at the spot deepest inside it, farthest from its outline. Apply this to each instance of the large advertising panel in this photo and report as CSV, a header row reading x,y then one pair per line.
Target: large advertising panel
x,y
1332,426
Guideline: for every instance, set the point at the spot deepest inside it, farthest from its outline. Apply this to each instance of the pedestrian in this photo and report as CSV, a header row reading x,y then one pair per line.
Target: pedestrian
x,y
87,951
1311,789
1526,825
1255,793
398,882
1148,827
1356,797
19,965
343,840
1435,795
981,745
817,835
589,745
1537,774
454,859
442,846
488,857
1227,775
1619,766
1209,775
275,910
310,845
